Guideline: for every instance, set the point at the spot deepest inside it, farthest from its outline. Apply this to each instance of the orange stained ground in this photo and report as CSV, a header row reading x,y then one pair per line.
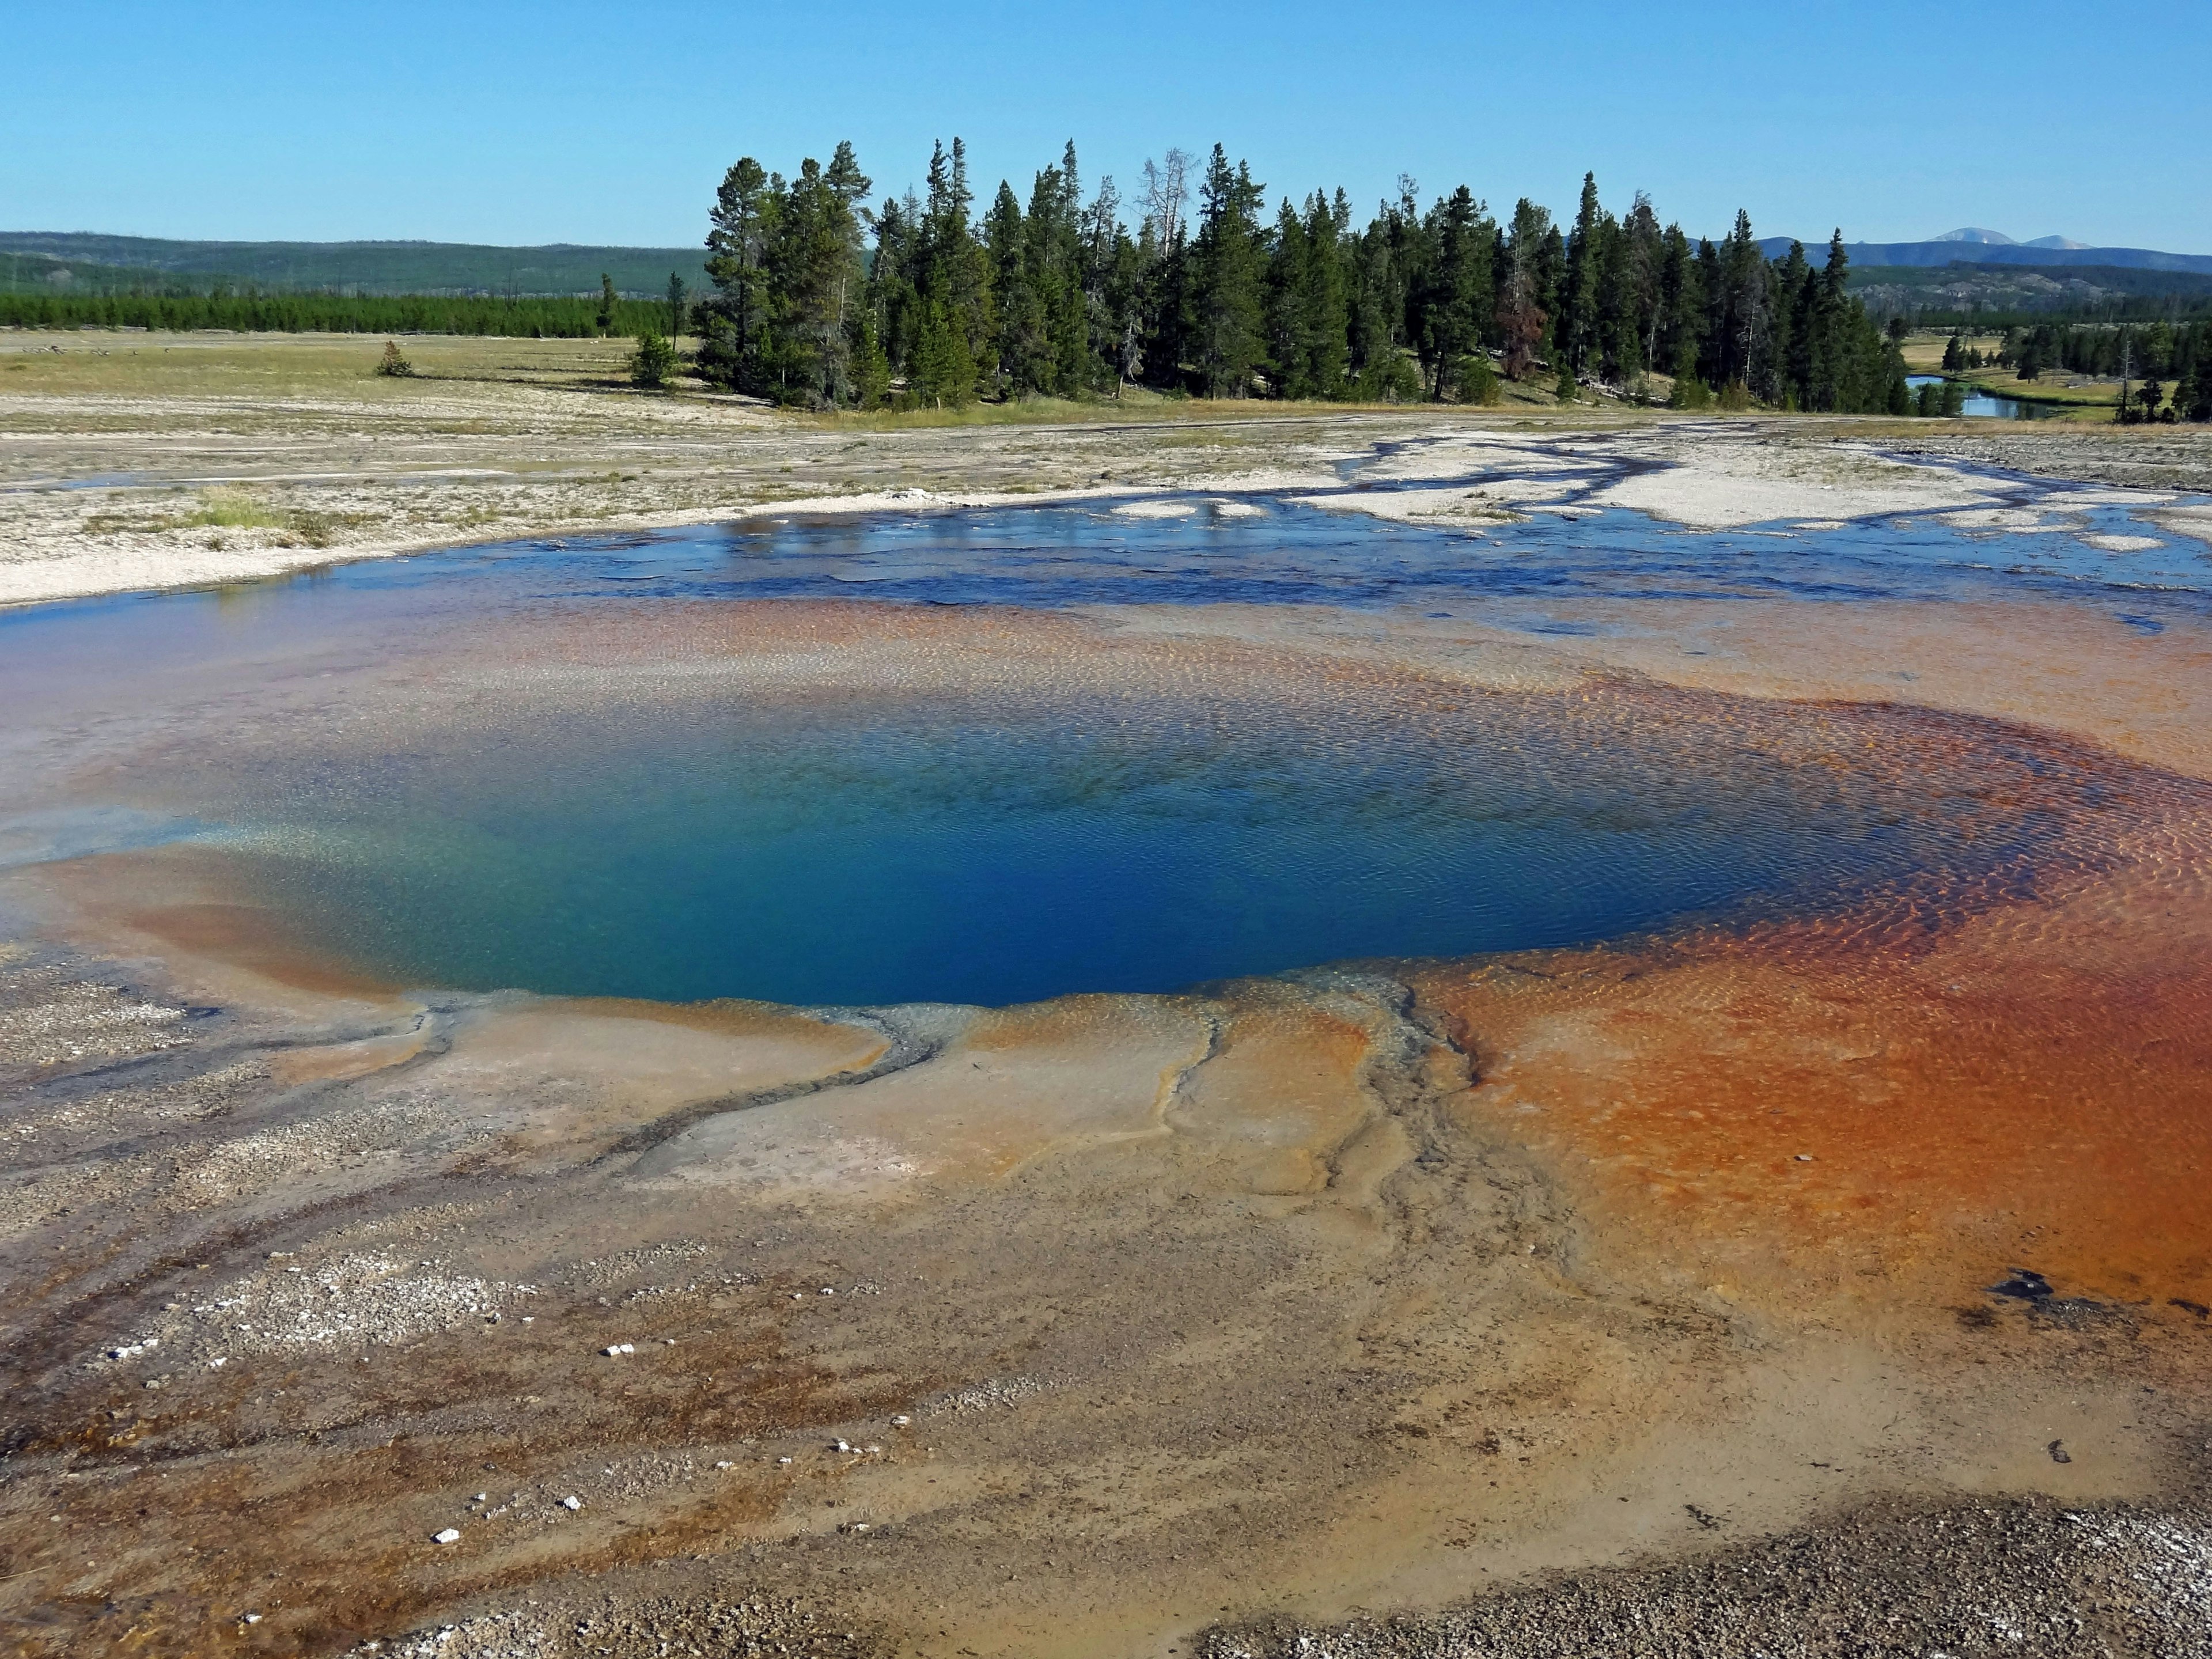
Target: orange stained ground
x,y
1828,1111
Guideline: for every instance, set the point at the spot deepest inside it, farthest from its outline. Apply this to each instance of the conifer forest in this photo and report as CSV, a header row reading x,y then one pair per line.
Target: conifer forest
x,y
823,298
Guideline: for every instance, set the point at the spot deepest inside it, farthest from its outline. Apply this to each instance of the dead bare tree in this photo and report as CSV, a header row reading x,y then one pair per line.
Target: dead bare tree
x,y
1167,194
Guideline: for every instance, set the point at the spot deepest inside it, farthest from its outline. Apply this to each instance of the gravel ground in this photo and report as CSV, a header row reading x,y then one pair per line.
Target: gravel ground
x,y
2022,1578
662,1628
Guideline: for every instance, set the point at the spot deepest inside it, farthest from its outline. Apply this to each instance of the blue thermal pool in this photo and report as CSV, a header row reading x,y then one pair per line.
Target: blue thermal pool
x,y
551,792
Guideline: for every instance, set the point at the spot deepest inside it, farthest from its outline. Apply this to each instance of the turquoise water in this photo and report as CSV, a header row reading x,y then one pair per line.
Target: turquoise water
x,y
824,846
941,850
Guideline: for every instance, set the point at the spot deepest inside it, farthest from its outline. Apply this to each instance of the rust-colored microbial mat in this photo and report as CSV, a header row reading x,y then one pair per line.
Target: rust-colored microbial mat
x,y
1071,1326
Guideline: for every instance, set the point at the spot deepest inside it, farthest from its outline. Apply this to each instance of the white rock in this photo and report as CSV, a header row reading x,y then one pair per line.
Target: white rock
x,y
572,1502
450,1535
901,1420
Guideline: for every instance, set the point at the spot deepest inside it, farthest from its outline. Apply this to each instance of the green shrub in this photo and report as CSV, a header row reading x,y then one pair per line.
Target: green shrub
x,y
228,509
1477,380
393,363
654,361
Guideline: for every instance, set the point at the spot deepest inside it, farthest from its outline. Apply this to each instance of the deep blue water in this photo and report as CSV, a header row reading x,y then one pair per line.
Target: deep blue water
x,y
949,850
936,848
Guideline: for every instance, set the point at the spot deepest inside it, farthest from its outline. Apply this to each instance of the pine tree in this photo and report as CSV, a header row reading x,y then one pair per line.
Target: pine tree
x,y
1796,303
1287,275
654,361
2197,405
1227,302
1018,346
733,325
813,265
1744,319
1523,298
605,319
894,301
1459,292
944,372
872,368
1634,315
1056,239
1578,303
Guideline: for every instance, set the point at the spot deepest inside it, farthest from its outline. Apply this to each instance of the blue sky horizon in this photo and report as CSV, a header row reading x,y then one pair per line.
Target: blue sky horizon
x,y
497,123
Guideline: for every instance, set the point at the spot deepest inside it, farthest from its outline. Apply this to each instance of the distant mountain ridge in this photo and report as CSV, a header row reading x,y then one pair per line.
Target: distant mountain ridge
x,y
1972,246
397,267
1999,239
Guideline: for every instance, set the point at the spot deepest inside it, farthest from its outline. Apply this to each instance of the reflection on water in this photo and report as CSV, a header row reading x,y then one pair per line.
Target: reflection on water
x,y
1986,403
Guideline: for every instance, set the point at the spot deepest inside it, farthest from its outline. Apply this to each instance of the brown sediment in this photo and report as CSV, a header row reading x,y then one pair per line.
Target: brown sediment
x,y
1811,1120
182,904
1368,1286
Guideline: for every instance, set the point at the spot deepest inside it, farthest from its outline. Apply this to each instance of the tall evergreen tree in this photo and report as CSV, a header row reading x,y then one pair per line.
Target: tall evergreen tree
x,y
1019,348
1578,309
733,325
1458,295
1227,302
1523,291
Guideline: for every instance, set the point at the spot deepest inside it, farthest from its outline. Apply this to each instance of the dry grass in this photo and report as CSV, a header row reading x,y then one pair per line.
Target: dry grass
x,y
212,364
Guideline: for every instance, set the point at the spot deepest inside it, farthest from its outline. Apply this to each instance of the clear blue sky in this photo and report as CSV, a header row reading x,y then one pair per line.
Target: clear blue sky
x,y
510,123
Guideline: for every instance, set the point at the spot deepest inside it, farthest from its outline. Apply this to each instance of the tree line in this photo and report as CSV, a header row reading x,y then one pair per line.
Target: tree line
x,y
824,299
2144,357
2157,347
544,318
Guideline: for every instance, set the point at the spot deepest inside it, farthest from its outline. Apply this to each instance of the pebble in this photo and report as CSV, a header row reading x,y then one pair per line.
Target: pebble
x,y
450,1535
613,1349
572,1502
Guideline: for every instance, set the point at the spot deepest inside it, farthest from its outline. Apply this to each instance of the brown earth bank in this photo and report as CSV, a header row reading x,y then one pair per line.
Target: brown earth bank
x,y
1833,1283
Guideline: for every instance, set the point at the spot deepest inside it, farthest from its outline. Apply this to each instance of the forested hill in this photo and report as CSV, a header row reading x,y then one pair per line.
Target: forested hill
x,y
1950,253
33,258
